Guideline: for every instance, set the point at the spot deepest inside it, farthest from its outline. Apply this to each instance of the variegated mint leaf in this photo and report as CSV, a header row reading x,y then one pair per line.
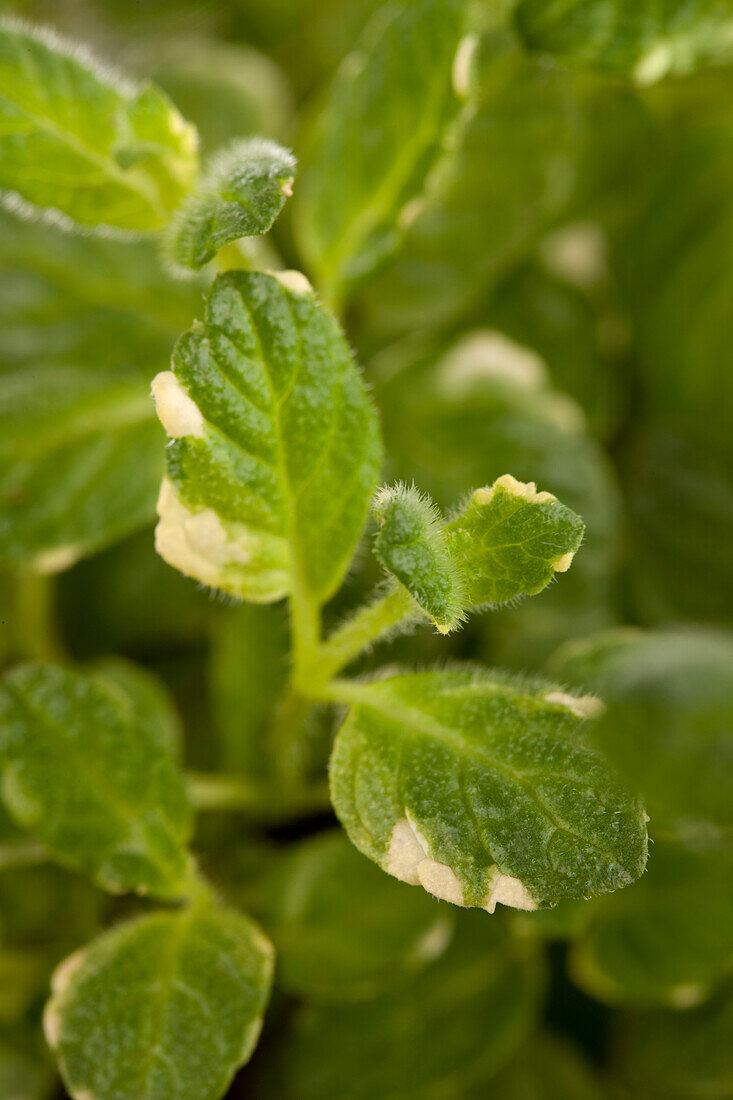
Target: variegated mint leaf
x,y
241,194
276,446
508,541
479,787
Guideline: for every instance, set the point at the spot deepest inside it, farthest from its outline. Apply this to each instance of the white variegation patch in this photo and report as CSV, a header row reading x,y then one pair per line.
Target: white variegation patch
x,y
440,880
525,489
64,972
177,412
577,253
463,65
487,355
583,706
294,281
507,890
56,560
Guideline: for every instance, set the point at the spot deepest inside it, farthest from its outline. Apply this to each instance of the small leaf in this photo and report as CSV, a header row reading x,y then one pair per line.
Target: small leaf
x,y
178,998
343,931
479,788
379,133
459,1020
241,194
507,541
93,782
78,140
651,39
275,446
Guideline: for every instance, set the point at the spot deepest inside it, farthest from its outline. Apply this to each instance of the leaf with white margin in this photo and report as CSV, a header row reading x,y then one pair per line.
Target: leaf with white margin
x,y
276,445
164,1007
241,194
80,141
460,1020
648,38
82,771
478,787
379,133
507,541
342,930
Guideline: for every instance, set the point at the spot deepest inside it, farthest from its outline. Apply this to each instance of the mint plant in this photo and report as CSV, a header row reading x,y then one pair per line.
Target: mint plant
x,y
372,736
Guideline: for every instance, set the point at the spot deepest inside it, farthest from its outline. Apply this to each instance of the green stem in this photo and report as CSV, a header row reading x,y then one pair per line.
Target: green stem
x,y
33,630
233,794
366,626
22,853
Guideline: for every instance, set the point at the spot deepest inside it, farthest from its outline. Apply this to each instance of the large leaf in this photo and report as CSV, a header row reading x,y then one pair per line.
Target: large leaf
x,y
165,1007
80,461
275,444
378,134
669,723
668,940
78,140
343,931
650,38
507,540
479,788
97,785
458,1021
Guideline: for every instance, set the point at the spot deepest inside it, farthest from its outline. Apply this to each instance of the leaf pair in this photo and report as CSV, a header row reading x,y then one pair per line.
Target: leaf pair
x,y
507,541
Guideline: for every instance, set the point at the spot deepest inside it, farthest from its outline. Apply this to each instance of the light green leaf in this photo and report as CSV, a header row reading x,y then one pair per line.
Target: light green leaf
x,y
669,722
243,191
458,1021
343,931
91,781
668,940
275,446
672,1055
646,37
80,461
78,140
175,998
478,787
378,135
507,541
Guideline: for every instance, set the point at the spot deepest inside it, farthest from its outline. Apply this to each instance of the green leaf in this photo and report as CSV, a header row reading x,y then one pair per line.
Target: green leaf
x,y
175,998
80,461
507,541
275,446
478,787
669,1055
154,710
243,191
648,38
78,140
93,782
546,1068
669,722
343,931
23,1073
665,941
378,135
459,1020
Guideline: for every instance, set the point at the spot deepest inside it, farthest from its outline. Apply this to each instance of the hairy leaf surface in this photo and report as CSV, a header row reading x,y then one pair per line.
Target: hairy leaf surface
x,y
479,788
78,140
275,446
176,999
378,134
91,780
241,194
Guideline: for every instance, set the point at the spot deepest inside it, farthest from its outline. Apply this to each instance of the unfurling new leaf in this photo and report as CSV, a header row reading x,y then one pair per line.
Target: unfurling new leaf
x,y
276,446
478,787
85,767
242,193
78,140
177,996
507,541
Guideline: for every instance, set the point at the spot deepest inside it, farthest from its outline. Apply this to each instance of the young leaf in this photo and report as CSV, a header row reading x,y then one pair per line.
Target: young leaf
x,y
478,788
343,931
648,38
379,133
275,446
459,1021
80,462
507,541
666,941
241,194
78,140
176,1000
83,773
